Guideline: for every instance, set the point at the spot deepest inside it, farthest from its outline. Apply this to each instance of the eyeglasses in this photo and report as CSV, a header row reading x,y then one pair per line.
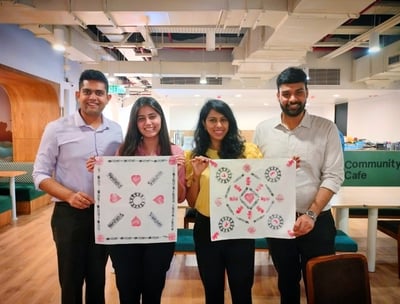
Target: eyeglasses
x,y
98,93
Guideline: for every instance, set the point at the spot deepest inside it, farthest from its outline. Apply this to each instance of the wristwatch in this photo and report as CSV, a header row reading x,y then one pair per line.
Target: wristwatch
x,y
311,214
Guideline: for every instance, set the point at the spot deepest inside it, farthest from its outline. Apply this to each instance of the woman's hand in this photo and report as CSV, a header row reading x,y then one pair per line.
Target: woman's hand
x,y
180,160
199,164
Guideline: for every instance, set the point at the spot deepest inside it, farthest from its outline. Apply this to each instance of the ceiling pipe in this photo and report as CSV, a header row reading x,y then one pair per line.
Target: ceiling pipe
x,y
364,37
352,19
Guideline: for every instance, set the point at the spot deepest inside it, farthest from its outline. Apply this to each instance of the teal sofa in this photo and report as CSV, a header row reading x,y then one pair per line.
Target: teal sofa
x,y
5,210
185,243
28,198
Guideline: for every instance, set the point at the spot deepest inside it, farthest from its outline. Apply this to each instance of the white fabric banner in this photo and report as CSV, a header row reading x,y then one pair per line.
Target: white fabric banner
x,y
252,198
135,199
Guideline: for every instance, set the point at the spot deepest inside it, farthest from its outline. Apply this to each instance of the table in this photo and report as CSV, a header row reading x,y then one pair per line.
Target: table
x,y
365,197
11,175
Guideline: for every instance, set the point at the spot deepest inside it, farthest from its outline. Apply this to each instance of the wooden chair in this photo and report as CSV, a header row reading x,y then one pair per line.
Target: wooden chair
x,y
338,279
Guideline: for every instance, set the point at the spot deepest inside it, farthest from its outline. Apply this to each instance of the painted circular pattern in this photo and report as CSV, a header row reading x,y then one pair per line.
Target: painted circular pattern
x,y
226,224
273,174
224,175
275,221
137,200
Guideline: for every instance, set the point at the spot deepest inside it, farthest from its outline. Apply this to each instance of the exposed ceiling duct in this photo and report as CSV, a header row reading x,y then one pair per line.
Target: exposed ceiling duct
x,y
237,41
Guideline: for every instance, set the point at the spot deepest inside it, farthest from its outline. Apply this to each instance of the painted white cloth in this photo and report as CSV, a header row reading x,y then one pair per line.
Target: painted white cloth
x,y
252,198
135,199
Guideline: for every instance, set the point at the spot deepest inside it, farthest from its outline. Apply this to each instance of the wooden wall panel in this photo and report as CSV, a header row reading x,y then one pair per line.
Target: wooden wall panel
x,y
34,103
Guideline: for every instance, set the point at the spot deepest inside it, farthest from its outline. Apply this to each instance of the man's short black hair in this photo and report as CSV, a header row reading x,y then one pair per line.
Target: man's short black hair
x,y
93,75
291,75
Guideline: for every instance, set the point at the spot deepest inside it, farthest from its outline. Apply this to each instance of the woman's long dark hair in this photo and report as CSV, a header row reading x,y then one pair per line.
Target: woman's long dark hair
x,y
232,145
134,137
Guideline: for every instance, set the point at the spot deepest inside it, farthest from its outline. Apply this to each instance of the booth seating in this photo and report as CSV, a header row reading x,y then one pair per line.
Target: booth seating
x,y
185,243
27,196
5,210
392,229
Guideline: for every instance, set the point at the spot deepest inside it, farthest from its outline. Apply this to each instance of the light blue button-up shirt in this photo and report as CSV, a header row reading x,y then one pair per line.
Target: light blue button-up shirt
x,y
66,145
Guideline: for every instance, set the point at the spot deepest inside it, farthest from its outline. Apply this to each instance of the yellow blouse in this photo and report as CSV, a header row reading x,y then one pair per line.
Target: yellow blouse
x,y
203,199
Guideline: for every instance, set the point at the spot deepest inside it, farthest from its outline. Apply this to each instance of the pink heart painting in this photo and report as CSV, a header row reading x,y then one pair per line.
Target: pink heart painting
x,y
249,197
251,230
172,160
98,160
159,199
218,202
114,197
172,237
100,238
136,179
136,222
247,168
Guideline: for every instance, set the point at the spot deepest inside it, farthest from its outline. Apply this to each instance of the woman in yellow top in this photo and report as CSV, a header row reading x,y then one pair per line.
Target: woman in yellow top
x,y
217,136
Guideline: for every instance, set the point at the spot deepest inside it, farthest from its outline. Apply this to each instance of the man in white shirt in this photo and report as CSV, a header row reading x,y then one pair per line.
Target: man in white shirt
x,y
315,140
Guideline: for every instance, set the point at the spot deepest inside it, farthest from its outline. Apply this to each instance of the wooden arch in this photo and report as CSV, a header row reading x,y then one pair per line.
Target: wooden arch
x,y
33,102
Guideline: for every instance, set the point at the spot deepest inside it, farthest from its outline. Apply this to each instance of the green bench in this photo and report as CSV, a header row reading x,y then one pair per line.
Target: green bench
x,y
5,210
185,243
28,198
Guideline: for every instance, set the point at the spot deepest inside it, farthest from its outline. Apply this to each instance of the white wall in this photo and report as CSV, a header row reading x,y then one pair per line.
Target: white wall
x,y
377,120
185,118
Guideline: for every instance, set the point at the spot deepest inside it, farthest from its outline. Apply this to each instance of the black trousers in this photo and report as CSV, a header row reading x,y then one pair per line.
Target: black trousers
x,y
80,260
236,257
140,271
290,256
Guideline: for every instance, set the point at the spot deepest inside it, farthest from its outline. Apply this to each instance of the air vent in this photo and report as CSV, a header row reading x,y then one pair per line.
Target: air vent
x,y
324,76
190,80
394,59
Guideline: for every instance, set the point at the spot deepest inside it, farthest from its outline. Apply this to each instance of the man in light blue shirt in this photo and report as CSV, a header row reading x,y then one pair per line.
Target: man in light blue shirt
x,y
316,142
60,170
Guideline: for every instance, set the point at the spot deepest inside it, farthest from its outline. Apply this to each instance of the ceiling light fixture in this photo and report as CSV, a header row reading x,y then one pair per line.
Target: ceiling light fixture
x,y
111,77
374,45
59,40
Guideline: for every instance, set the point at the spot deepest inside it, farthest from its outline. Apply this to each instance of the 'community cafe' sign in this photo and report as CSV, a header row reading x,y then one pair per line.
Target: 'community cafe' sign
x,y
372,168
